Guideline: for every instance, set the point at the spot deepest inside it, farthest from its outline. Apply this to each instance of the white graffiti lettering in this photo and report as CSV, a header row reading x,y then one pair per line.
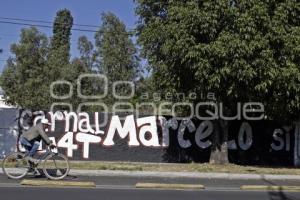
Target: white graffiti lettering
x,y
204,131
67,142
86,139
185,143
128,128
148,125
280,143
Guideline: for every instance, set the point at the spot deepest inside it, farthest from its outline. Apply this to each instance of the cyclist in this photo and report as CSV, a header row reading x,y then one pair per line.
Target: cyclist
x,y
31,139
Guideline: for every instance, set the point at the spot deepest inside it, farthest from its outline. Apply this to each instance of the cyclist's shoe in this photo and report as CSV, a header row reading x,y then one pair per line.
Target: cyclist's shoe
x,y
30,160
32,164
30,170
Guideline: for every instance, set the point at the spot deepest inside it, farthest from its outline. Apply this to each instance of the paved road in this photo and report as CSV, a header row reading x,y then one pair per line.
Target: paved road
x,y
123,188
29,193
131,181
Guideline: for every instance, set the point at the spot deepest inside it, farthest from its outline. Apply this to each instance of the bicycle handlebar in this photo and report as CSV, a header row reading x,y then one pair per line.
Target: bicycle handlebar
x,y
49,149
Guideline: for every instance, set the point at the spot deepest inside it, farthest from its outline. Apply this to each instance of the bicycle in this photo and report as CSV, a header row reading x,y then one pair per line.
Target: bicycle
x,y
55,165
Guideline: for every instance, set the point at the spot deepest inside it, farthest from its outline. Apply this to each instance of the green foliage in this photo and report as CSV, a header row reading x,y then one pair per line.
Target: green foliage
x,y
62,31
24,75
87,53
116,54
36,65
58,62
242,50
116,51
59,54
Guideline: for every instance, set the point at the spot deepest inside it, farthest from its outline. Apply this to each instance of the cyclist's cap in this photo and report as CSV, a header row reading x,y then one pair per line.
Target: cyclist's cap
x,y
45,121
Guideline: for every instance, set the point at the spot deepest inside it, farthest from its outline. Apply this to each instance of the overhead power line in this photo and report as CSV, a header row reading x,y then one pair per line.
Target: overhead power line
x,y
45,26
46,22
14,36
20,21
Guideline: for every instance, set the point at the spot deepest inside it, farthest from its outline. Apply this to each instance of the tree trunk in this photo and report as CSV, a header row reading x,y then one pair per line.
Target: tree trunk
x,y
296,146
219,150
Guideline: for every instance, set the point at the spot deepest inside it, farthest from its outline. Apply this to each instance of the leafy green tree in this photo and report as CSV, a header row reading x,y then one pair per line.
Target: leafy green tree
x,y
24,75
36,64
116,51
87,53
242,50
89,61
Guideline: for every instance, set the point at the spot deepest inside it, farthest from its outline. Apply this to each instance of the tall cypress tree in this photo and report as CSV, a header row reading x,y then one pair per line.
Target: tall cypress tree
x,y
59,67
59,54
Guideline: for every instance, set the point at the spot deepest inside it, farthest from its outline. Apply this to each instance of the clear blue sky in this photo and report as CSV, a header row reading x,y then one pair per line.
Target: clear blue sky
x,y
84,12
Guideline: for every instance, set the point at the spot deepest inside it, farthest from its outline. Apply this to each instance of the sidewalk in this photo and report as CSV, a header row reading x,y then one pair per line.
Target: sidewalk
x,y
177,170
227,176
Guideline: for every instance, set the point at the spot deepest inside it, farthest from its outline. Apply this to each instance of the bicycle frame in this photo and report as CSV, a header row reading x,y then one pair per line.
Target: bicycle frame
x,y
43,156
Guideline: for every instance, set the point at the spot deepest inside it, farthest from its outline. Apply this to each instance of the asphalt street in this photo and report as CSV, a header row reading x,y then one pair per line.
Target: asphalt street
x,y
123,188
29,193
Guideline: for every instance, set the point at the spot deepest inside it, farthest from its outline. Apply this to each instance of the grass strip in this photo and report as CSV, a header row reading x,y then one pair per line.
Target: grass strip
x,y
185,167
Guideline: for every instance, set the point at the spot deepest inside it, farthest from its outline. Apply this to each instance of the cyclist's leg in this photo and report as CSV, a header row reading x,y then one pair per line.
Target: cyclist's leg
x,y
35,147
27,145
32,161
31,149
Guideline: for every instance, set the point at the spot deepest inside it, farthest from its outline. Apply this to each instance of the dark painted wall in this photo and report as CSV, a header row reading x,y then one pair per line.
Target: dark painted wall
x,y
8,136
250,142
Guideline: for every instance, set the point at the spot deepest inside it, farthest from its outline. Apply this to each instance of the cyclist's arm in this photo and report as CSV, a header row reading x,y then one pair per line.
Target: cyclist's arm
x,y
44,136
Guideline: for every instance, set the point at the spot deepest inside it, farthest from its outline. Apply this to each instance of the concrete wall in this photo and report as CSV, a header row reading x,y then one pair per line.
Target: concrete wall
x,y
8,130
157,139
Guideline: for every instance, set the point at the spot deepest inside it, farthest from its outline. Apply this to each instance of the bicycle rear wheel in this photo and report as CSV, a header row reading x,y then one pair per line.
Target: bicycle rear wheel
x,y
15,166
56,166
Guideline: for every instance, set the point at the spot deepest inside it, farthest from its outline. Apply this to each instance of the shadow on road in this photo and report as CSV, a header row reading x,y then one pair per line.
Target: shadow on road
x,y
278,194
41,175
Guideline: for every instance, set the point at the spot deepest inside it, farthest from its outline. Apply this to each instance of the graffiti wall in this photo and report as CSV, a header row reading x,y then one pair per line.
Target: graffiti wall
x,y
99,136
8,130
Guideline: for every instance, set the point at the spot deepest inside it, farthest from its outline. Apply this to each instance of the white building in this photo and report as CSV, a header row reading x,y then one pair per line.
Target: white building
x,y
2,102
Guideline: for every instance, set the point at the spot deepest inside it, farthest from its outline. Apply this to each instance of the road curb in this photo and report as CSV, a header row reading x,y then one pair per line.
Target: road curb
x,y
226,176
271,188
197,175
169,186
50,183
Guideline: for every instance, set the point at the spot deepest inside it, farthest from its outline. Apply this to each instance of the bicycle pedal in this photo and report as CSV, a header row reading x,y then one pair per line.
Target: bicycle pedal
x,y
36,172
30,170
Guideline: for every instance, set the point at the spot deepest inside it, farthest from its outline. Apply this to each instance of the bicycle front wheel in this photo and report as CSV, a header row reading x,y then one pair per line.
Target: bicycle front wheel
x,y
56,166
15,166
